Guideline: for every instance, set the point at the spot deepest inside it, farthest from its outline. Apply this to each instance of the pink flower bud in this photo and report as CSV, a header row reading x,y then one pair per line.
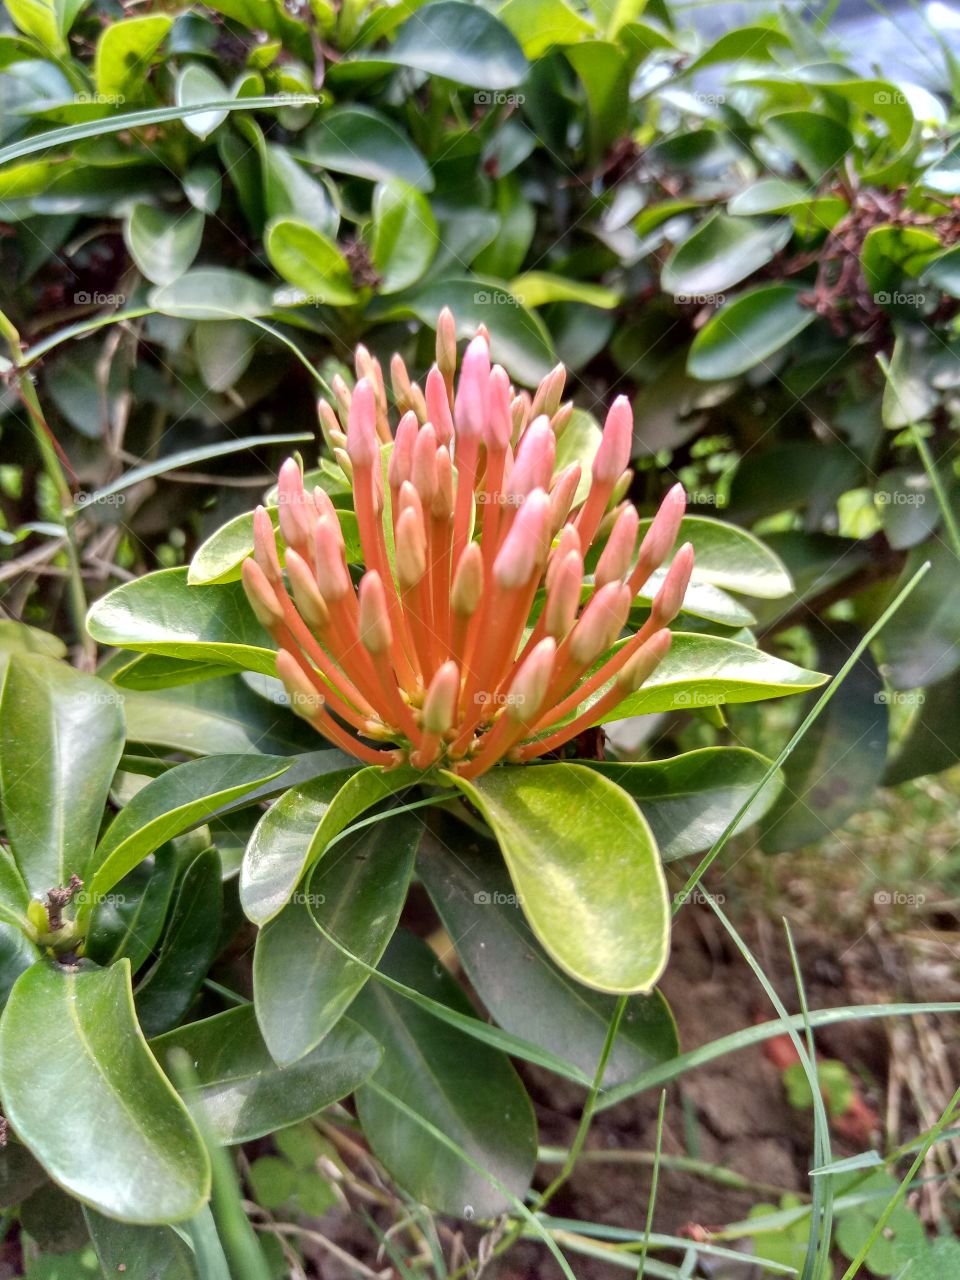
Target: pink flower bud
x,y
562,495
519,413
563,596
294,507
569,540
438,406
668,601
529,686
550,392
306,593
600,623
645,661
561,419
305,699
614,564
440,702
376,634
662,534
533,465
525,546
408,497
362,447
265,545
411,548
324,505
467,589
499,425
342,394
261,596
330,426
400,467
470,405
446,343
612,457
332,576
443,499
424,471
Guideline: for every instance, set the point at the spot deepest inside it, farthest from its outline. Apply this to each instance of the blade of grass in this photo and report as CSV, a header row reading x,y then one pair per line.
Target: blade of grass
x,y
719,844
655,1178
138,119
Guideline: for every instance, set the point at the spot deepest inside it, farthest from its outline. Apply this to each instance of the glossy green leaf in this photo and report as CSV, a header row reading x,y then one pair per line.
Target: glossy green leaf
x,y
743,43
224,349
404,235
538,288
909,394
213,293
732,558
61,734
310,262
177,800
125,1145
45,20
245,1094
467,1083
18,637
518,339
944,272
594,893
817,142
709,671
720,253
780,195
14,894
362,142
604,70
213,717
302,984
908,506
932,740
839,763
17,954
128,921
744,332
161,242
160,613
140,1252
891,253
294,833
454,40
198,84
475,899
124,53
290,192
190,944
689,799
540,24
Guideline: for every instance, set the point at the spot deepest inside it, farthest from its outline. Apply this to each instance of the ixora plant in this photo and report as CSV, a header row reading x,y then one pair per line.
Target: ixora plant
x,y
457,608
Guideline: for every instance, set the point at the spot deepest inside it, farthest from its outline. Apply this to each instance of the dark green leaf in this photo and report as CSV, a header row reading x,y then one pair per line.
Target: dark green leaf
x,y
213,293
140,1253
745,332
309,261
161,242
919,643
404,235
128,921
720,253
362,142
124,53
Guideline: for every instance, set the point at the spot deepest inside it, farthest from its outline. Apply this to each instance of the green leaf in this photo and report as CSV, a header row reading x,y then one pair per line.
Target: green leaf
x,y
780,195
817,142
213,293
20,1175
160,613
214,717
128,922
364,143
742,44
290,192
198,84
42,19
708,671
190,945
220,558
404,235
177,800
295,832
538,288
744,332
14,894
61,734
453,40
245,1094
891,253
604,70
125,1145
124,53
137,120
518,339
720,253
944,272
302,984
541,24
689,799
311,263
224,349
161,242
907,504
476,902
18,637
594,893
732,558
140,1253
909,394
467,1084
932,740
